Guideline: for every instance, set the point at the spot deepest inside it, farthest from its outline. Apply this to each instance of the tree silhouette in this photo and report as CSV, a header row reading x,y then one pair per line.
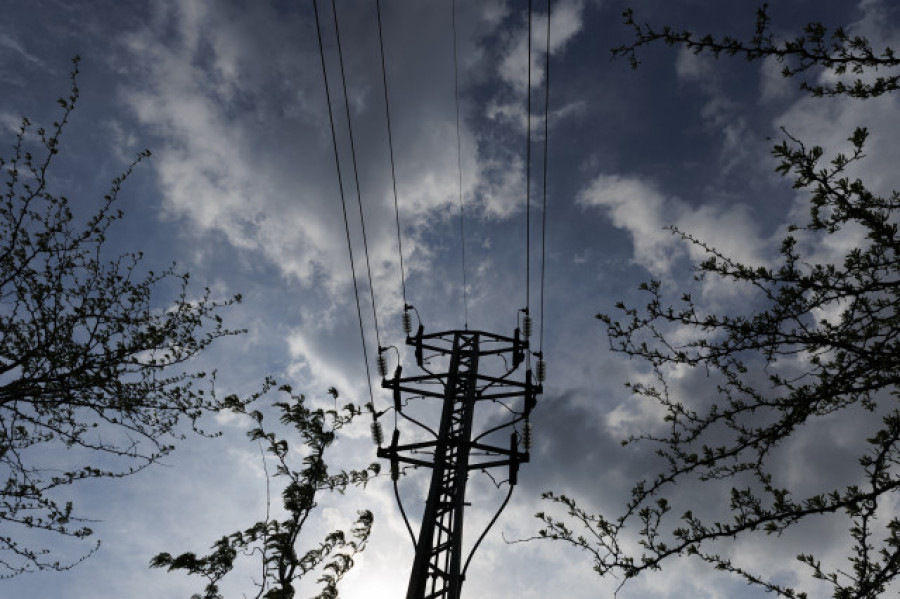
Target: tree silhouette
x,y
822,341
818,48
92,360
275,541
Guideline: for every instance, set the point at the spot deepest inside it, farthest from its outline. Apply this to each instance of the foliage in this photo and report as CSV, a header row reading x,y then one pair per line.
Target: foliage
x,y
275,541
836,51
824,343
92,361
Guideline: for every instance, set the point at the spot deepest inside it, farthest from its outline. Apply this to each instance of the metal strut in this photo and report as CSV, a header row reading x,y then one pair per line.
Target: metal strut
x,y
437,567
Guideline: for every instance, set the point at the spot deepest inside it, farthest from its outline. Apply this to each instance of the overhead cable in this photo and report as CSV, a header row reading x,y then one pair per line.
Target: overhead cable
x,y
462,226
387,112
488,527
337,163
528,177
362,220
544,209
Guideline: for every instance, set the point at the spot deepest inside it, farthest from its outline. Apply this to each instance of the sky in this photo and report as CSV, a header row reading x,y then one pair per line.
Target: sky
x,y
242,192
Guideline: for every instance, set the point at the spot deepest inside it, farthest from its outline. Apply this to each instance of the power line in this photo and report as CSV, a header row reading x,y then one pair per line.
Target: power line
x,y
462,227
544,209
337,163
362,220
387,112
528,177
453,453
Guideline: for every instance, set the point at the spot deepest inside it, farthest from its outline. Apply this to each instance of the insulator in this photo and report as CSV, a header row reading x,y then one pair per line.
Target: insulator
x,y
382,366
395,470
526,326
541,370
407,322
377,433
526,436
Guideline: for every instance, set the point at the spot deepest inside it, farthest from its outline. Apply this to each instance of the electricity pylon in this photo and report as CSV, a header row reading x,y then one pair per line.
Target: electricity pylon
x,y
461,368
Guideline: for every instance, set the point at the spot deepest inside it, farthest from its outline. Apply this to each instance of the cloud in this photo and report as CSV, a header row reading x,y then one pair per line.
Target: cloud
x,y
509,105
638,207
720,112
772,83
876,25
692,67
10,122
565,23
243,155
502,191
255,168
314,365
10,43
221,169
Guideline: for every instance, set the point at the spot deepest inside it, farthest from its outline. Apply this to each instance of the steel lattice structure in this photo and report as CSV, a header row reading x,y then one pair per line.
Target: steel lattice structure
x,y
472,367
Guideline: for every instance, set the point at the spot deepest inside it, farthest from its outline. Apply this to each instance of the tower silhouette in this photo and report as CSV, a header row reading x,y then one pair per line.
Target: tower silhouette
x,y
462,369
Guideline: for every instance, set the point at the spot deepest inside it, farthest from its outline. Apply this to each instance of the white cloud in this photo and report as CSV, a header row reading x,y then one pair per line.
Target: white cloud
x,y
729,229
720,112
10,122
514,113
692,67
502,190
638,207
772,83
313,367
565,23
269,187
876,26
228,173
11,43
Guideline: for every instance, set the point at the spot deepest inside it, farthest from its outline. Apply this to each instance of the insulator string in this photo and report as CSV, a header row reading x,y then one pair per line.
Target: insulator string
x,y
387,112
462,225
337,163
362,220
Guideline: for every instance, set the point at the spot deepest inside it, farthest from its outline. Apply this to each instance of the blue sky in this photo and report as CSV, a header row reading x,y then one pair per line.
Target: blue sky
x,y
241,191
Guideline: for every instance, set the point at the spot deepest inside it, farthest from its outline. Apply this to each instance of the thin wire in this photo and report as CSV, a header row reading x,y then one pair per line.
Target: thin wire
x,y
387,112
487,528
337,164
362,220
412,535
528,177
462,226
544,210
